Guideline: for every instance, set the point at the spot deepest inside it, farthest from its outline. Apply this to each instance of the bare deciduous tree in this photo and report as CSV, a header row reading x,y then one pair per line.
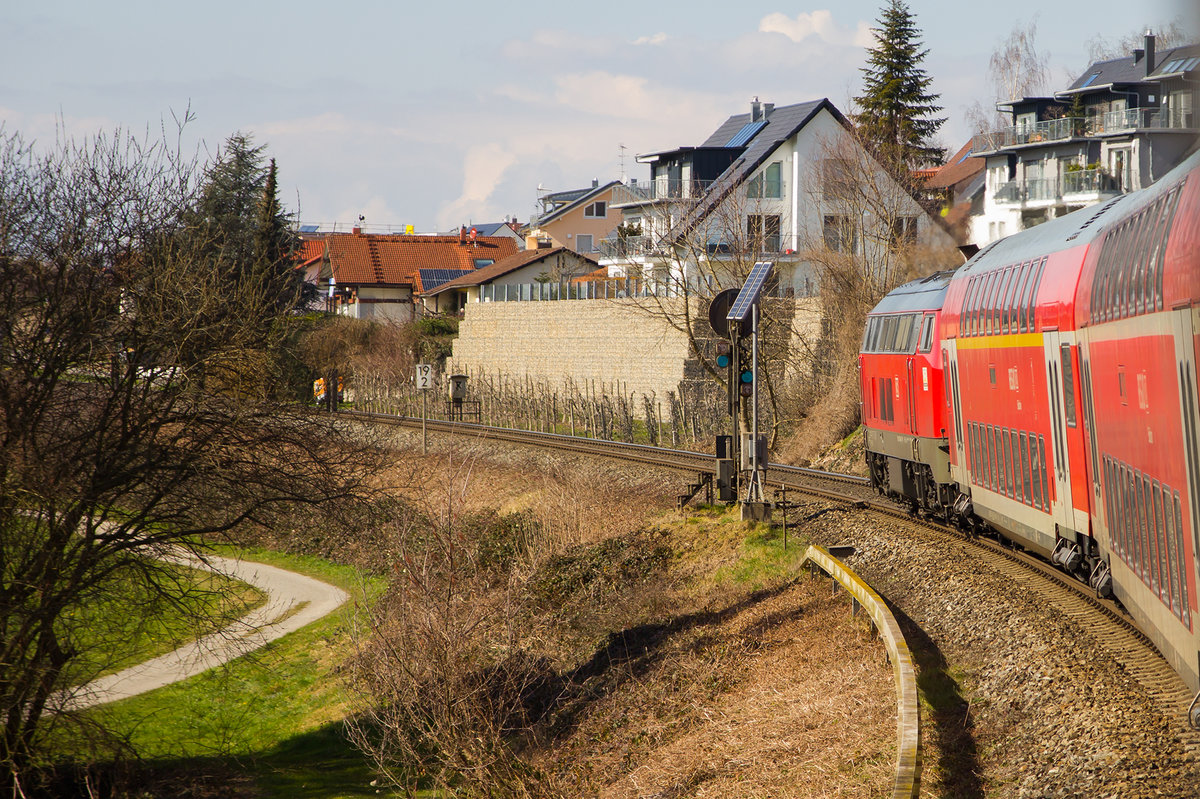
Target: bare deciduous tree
x,y
140,407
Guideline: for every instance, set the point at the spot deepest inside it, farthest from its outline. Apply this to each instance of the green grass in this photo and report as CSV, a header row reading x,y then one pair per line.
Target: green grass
x,y
146,624
274,714
762,560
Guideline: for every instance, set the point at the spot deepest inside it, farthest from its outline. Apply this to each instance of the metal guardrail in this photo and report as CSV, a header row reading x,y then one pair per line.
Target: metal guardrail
x,y
907,783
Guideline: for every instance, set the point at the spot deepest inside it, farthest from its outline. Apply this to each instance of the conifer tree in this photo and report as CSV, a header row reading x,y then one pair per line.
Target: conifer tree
x,y
896,111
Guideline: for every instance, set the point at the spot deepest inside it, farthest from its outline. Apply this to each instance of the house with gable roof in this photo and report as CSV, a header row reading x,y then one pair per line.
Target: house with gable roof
x,y
771,184
537,273
577,219
1121,125
372,276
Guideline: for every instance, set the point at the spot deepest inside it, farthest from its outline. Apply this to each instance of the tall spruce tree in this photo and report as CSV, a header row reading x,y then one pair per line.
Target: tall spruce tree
x,y
896,114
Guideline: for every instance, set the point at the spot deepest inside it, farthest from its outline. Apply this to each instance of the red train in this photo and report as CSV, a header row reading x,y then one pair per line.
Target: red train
x,y
1048,390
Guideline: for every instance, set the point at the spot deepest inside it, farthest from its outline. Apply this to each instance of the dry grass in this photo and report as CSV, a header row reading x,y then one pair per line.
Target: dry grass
x,y
663,664
784,697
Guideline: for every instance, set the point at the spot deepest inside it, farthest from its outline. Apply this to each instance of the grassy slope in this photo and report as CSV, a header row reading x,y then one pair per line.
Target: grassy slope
x,y
275,713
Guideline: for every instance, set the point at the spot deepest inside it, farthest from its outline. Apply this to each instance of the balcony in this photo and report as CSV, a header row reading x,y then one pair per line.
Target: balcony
x,y
1114,122
1021,135
1141,119
659,190
629,247
1087,185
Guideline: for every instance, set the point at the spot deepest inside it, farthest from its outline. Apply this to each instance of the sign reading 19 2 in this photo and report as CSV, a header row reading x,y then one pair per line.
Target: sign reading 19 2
x,y
424,376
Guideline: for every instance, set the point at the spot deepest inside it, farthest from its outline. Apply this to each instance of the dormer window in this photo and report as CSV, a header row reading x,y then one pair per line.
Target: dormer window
x,y
597,210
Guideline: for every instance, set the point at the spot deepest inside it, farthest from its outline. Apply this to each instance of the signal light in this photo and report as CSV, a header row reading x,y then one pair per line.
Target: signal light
x,y
724,354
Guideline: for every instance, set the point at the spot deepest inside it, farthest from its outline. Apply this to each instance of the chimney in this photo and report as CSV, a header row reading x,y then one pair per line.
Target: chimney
x,y
767,109
1149,47
595,182
462,234
356,229
755,110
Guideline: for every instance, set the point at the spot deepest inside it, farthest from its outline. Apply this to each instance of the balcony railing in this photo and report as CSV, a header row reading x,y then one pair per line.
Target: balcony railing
x,y
1019,135
1089,181
1043,190
1069,127
629,247
658,190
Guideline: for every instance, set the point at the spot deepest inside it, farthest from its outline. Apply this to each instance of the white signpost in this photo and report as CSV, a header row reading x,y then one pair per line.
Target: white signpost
x,y
423,379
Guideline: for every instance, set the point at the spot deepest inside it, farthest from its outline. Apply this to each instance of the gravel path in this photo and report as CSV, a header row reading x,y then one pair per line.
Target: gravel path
x,y
293,601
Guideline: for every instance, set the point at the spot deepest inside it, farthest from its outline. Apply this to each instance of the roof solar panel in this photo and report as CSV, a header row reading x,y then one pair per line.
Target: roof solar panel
x,y
432,278
750,291
746,133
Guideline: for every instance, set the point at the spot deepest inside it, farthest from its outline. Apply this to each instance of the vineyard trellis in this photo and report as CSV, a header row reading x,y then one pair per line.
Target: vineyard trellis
x,y
688,418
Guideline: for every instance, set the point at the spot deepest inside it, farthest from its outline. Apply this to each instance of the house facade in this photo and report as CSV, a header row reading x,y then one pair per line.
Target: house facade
x,y
535,273
780,184
1120,126
369,276
577,219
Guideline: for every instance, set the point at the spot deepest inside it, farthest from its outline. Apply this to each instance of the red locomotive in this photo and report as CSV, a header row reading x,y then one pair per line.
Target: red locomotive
x,y
1056,400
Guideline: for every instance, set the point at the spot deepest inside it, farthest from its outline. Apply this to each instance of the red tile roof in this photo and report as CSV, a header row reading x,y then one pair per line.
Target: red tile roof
x,y
367,259
309,249
502,267
961,166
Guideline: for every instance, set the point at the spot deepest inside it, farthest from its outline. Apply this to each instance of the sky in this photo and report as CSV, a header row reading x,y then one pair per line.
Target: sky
x,y
436,115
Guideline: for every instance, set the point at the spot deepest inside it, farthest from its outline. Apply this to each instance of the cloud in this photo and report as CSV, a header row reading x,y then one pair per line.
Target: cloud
x,y
658,38
818,23
483,168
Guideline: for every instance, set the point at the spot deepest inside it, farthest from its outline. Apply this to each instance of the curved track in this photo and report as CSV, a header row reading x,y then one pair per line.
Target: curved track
x,y
1105,620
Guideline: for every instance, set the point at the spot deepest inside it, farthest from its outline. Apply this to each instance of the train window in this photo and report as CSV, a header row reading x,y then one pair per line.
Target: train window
x,y
1014,299
1005,448
1166,548
993,464
1068,377
975,452
904,339
1019,312
1045,473
994,301
1031,302
1156,554
1144,259
1139,563
985,295
1154,248
1149,554
957,400
1034,470
964,321
1168,216
1026,478
927,334
1183,586
972,458
1101,280
1135,301
1114,540
1007,322
1001,294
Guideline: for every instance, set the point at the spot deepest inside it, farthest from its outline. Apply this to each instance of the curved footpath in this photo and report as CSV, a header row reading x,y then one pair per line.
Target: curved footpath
x,y
293,601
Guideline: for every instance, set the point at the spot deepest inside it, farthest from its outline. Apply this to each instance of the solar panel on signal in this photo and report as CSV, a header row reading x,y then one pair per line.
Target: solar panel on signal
x,y
750,291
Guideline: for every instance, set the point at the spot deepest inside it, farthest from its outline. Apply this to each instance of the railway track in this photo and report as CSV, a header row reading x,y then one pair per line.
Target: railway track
x,y
1112,628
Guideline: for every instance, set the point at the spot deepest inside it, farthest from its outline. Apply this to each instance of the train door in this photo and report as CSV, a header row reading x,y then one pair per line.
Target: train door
x,y
958,467
1062,507
912,396
1185,329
